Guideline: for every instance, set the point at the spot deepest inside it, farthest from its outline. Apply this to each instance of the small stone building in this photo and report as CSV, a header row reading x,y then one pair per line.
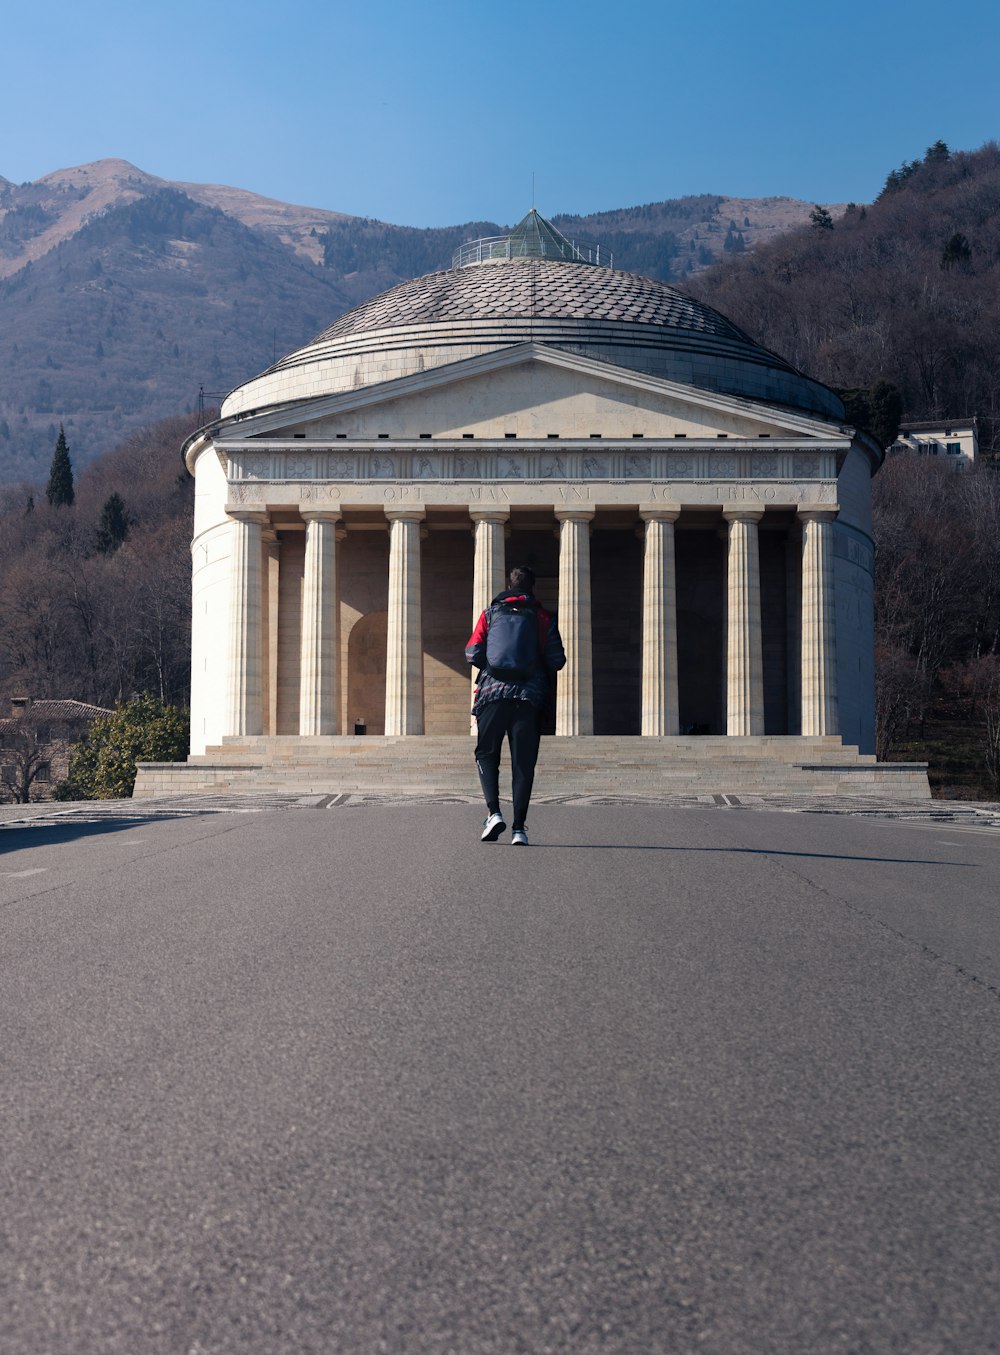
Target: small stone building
x,y
696,510
36,741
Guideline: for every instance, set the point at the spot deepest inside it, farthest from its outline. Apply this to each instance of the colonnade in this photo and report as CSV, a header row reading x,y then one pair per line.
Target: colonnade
x,y
574,696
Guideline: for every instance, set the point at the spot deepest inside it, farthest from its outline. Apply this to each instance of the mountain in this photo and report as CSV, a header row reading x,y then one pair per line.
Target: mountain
x,y
905,291
122,294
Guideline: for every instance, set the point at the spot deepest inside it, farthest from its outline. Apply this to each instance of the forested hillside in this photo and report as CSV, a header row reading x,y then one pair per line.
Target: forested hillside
x,y
906,290
95,595
937,622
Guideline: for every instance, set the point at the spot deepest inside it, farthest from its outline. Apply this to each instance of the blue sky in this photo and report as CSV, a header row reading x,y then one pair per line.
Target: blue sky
x,y
433,114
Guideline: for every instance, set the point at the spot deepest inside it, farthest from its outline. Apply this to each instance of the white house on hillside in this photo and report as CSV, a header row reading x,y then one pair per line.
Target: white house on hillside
x,y
957,442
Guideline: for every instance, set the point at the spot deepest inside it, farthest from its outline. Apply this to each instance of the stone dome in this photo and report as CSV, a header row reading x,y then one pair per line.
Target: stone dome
x,y
462,312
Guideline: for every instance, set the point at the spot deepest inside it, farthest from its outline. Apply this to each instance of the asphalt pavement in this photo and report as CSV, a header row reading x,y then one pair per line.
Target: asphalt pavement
x,y
337,1078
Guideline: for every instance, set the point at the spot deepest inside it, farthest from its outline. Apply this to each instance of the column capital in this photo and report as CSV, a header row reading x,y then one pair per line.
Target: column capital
x,y
659,512
491,514
252,517
405,512
320,514
574,514
743,514
818,512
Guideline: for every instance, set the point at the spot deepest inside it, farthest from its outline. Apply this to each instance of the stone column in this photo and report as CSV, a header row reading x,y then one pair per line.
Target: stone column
x,y
659,622
744,653
246,677
404,672
318,667
270,565
820,713
488,571
793,628
575,684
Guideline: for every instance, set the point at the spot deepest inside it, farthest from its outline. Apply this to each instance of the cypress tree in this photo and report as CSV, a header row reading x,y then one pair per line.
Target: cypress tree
x,y
114,525
59,490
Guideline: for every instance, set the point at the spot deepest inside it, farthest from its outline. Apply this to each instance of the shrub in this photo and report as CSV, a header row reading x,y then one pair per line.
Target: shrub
x,y
102,766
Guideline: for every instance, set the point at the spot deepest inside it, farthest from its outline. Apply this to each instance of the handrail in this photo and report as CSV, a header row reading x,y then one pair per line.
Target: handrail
x,y
506,247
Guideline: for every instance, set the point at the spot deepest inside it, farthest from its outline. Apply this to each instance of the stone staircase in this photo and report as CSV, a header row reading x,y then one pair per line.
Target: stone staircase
x,y
443,764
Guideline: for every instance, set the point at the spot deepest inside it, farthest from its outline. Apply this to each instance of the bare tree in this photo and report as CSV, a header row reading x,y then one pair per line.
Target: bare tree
x,y
24,758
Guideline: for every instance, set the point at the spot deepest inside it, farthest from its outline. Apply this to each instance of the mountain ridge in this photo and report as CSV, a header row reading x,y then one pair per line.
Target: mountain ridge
x,y
123,294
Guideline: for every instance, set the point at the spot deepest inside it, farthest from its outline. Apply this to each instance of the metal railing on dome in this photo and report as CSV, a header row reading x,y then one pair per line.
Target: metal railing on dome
x,y
508,247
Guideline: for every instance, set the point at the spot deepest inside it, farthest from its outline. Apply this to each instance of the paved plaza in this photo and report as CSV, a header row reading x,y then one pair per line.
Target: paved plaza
x,y
289,1074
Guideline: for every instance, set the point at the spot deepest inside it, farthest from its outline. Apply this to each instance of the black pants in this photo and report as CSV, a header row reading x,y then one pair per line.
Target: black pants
x,y
520,722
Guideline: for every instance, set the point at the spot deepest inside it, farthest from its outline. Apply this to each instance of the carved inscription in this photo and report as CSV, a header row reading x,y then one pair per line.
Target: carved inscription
x,y
488,494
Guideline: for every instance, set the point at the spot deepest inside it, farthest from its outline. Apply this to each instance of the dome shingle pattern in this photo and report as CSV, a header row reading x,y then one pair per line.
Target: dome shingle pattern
x,y
622,319
532,289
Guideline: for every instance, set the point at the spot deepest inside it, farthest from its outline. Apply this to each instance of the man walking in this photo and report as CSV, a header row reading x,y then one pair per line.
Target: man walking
x,y
517,648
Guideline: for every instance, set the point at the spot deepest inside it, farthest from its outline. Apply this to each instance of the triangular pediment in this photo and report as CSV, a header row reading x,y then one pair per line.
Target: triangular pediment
x,y
529,391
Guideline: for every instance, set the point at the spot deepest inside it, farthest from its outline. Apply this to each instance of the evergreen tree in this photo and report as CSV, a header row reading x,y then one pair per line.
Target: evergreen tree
x,y
114,524
821,218
59,490
896,178
877,408
956,251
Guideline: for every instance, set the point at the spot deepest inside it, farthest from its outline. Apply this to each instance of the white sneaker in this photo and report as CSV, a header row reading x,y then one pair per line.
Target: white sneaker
x,y
519,838
493,826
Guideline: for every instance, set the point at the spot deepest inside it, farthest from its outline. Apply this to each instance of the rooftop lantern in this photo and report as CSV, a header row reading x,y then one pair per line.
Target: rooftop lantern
x,y
531,238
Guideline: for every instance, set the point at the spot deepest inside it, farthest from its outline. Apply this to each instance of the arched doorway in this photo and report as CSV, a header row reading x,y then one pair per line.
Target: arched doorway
x,y
366,649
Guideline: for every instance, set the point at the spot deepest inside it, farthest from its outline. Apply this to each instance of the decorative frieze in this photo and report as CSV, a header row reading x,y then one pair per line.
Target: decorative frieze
x,y
477,465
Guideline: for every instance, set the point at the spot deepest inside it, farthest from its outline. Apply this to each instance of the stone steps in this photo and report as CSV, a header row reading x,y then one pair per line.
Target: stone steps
x,y
587,765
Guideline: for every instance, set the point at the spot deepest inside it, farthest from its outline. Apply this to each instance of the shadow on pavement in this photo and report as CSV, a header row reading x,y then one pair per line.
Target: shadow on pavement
x,y
747,851
20,837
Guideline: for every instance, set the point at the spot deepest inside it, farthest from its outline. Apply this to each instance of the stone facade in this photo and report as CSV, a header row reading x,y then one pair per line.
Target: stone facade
x,y
708,551
704,539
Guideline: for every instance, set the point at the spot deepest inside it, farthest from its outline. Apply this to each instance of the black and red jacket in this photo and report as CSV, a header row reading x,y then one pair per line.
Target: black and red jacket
x,y
534,689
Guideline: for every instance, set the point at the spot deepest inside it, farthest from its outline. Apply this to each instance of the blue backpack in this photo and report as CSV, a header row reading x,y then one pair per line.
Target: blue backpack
x,y
512,650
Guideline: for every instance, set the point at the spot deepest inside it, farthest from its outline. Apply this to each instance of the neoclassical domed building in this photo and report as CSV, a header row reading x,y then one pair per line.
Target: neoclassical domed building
x,y
696,510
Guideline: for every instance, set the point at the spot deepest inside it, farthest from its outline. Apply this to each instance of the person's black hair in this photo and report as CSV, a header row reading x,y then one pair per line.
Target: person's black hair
x,y
523,577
